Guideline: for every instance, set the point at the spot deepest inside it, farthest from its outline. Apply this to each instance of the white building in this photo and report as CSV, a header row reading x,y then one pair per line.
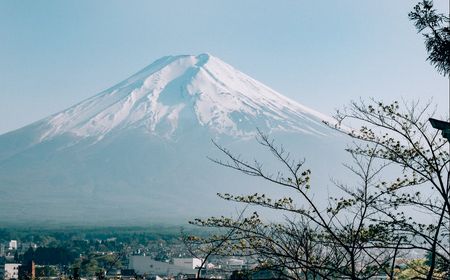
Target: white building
x,y
13,245
193,263
234,264
148,266
11,271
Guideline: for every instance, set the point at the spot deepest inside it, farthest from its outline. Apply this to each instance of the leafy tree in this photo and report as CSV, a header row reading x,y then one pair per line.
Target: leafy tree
x,y
46,272
362,233
436,31
403,139
340,241
49,256
442,265
87,266
240,275
414,269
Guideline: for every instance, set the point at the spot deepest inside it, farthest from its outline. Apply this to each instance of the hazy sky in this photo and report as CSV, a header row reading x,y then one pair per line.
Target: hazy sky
x,y
321,53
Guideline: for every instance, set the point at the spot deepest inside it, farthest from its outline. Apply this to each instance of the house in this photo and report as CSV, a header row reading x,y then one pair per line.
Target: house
x,y
11,271
144,265
193,263
12,245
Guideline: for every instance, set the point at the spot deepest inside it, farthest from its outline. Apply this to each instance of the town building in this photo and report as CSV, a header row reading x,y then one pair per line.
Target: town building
x,y
193,263
11,271
232,264
12,245
144,265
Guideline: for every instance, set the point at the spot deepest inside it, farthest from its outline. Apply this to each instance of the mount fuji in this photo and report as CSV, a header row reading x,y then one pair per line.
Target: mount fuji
x,y
136,152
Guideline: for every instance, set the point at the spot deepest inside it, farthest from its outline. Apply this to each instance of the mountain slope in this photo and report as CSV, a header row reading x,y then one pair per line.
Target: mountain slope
x,y
141,145
192,89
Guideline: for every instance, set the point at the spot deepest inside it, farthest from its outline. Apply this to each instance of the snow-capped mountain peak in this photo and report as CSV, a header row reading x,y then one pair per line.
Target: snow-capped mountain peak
x,y
137,152
181,92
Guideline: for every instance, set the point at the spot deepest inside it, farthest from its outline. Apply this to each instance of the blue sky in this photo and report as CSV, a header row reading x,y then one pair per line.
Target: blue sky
x,y
321,53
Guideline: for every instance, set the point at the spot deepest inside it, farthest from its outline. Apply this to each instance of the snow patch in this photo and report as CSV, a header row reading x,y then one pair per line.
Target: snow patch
x,y
223,99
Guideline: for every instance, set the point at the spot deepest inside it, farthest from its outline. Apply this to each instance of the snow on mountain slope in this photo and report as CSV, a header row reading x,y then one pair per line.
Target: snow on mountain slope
x,y
138,151
186,90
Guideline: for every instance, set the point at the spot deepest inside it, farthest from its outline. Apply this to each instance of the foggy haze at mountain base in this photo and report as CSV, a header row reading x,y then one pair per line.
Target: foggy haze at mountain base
x,y
137,152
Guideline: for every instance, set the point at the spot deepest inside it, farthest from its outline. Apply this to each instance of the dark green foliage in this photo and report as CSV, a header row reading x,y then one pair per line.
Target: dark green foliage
x,y
436,31
240,275
46,271
442,265
49,256
57,237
